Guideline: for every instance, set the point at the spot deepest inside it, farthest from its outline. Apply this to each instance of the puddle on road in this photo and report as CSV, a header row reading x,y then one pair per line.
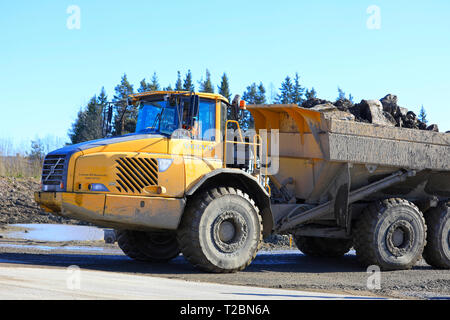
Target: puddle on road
x,y
61,248
292,252
55,232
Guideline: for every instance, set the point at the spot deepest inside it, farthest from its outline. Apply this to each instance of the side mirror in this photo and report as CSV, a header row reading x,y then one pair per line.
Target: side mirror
x,y
236,108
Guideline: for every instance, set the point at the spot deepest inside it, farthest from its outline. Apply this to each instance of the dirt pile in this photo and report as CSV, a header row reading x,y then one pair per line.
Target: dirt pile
x,y
385,111
17,203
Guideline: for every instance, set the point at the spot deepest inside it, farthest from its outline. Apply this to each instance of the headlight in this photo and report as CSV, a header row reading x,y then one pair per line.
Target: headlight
x,y
97,187
164,164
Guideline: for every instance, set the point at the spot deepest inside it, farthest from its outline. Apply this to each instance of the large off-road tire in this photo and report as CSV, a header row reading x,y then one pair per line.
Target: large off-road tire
x,y
148,246
221,230
323,247
437,250
390,234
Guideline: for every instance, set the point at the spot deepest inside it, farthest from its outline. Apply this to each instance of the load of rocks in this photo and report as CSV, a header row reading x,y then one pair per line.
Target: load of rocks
x,y
385,111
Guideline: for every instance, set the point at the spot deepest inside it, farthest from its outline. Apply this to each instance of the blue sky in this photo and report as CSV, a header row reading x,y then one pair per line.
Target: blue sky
x,y
48,72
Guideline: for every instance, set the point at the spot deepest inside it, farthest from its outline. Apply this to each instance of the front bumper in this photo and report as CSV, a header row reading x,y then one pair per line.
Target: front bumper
x,y
115,211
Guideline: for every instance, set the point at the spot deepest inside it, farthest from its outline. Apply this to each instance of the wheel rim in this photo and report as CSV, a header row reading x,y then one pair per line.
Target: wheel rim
x,y
400,238
230,231
227,231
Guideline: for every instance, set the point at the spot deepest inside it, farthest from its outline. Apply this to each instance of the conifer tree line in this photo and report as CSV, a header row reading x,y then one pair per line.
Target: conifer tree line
x,y
91,119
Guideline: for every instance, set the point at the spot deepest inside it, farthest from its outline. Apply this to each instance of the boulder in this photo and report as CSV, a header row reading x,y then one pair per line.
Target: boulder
x,y
372,111
390,105
343,104
433,127
331,112
310,103
403,111
390,118
324,107
411,115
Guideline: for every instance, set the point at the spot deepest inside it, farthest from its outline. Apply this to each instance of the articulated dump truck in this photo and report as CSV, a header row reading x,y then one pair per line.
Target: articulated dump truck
x,y
179,184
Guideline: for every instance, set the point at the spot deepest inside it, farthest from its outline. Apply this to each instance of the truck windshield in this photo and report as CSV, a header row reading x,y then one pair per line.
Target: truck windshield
x,y
157,117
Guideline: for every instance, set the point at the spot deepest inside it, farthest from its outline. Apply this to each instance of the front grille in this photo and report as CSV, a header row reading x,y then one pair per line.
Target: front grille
x,y
53,170
134,174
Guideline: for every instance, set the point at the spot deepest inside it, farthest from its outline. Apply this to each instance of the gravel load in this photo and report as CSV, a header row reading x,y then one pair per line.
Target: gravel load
x,y
385,112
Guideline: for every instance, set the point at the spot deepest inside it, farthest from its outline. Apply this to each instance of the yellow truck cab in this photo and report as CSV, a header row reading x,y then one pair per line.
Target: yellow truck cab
x,y
141,184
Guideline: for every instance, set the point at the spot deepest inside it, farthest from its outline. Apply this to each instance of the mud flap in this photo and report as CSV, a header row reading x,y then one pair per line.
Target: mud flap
x,y
339,193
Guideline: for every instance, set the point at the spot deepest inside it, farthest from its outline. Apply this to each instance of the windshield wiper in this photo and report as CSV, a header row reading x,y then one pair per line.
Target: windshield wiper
x,y
157,118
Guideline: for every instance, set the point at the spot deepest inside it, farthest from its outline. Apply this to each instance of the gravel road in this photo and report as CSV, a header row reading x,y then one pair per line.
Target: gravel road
x,y
280,269
31,282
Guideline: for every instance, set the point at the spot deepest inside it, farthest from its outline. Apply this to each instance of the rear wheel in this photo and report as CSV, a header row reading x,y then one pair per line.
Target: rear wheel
x,y
390,234
148,246
437,250
221,230
323,247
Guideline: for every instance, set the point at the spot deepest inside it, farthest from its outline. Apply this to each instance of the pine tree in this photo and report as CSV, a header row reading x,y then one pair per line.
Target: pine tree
x,y
423,115
351,98
206,86
297,91
341,94
286,92
179,83
78,127
261,95
224,88
310,94
124,120
88,125
93,120
255,94
102,101
144,86
154,85
188,84
250,95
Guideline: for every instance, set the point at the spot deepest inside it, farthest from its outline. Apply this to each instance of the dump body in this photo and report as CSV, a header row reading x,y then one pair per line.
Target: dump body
x,y
322,152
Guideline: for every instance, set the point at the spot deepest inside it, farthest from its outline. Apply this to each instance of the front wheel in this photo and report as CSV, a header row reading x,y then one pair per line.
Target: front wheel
x,y
390,234
220,231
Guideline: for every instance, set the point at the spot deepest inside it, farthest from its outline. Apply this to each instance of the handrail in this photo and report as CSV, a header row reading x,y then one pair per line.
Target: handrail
x,y
256,142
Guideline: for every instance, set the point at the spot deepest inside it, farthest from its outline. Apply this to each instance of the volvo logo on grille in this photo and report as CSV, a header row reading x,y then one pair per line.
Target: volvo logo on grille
x,y
52,169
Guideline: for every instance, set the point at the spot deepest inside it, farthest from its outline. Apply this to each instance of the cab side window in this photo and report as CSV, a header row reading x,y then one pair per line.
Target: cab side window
x,y
206,120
